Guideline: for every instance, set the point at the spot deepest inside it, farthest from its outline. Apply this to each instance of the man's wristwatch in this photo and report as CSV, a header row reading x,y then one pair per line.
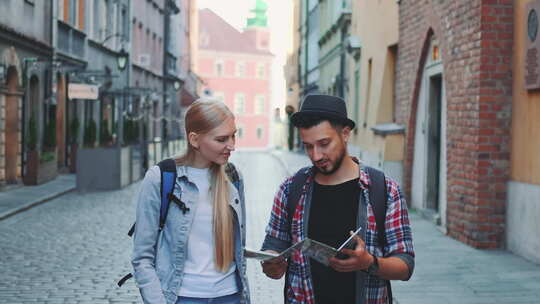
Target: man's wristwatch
x,y
374,267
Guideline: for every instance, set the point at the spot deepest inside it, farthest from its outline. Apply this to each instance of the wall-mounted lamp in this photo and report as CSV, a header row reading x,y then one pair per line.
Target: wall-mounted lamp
x,y
176,85
122,59
3,72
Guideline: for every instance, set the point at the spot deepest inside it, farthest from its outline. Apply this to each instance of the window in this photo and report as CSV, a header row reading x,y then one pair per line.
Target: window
x,y
219,68
260,103
261,73
240,69
73,9
260,132
239,103
240,131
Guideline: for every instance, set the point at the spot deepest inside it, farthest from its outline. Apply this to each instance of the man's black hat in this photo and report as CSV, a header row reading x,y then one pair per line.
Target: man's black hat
x,y
326,106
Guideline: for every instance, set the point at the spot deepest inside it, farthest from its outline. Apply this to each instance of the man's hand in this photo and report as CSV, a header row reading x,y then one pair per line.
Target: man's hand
x,y
359,258
274,268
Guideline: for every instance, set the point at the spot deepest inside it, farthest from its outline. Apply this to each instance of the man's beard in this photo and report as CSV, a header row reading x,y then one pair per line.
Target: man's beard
x,y
335,167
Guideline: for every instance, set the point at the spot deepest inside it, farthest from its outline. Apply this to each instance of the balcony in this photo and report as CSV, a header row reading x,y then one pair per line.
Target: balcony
x,y
71,41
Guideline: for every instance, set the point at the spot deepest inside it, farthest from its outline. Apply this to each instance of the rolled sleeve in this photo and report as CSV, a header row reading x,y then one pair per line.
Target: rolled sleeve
x,y
398,229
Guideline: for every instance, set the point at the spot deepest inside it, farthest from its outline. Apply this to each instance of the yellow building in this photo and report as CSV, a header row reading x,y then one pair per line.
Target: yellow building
x,y
372,51
523,203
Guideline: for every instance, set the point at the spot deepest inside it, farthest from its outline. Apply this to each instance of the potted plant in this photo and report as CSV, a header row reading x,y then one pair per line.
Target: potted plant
x,y
90,134
105,137
48,167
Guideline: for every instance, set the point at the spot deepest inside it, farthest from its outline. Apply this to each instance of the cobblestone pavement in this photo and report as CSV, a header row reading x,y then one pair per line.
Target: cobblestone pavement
x,y
74,248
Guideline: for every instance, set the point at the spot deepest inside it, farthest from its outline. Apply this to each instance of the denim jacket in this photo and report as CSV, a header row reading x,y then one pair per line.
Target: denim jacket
x,y
159,256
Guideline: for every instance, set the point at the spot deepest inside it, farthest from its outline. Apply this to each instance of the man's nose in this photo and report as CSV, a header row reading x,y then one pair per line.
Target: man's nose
x,y
316,154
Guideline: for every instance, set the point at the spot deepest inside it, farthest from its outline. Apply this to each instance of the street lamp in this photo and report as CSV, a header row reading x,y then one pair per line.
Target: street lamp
x,y
122,59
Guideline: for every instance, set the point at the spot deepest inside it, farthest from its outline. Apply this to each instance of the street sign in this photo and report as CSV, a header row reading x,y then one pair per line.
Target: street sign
x,y
83,91
532,56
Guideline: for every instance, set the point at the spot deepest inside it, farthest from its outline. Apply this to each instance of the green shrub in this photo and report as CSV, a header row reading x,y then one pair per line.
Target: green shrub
x,y
105,136
90,134
49,141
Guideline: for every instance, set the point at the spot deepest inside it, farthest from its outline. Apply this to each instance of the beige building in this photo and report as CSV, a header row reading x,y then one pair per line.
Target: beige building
x,y
371,59
292,80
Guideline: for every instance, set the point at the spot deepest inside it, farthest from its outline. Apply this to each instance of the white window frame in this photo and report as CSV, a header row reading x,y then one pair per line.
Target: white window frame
x,y
261,66
240,103
240,69
260,104
240,131
259,127
219,63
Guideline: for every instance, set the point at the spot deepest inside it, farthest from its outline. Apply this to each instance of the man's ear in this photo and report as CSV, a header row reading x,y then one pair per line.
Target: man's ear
x,y
346,133
193,139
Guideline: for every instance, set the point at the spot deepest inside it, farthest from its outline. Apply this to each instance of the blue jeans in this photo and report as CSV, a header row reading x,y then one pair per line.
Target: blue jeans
x,y
230,299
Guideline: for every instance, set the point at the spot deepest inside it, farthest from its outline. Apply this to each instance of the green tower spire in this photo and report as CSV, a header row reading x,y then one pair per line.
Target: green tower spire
x,y
260,18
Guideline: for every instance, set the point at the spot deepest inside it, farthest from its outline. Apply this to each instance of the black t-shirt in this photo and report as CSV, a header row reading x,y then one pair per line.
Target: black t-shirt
x,y
333,213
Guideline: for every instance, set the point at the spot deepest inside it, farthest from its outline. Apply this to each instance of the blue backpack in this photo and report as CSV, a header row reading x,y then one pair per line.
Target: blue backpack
x,y
168,180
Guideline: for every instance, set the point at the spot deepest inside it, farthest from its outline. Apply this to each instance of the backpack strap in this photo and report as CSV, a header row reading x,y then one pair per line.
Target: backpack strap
x,y
168,180
378,197
166,190
295,191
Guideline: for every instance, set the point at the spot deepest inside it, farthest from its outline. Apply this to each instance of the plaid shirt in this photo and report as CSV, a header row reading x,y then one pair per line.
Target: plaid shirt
x,y
398,235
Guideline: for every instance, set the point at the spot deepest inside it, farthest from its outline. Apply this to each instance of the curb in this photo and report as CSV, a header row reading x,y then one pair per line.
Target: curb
x,y
34,203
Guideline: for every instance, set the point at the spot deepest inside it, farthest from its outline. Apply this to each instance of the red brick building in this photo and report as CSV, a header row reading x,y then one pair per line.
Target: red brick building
x,y
454,96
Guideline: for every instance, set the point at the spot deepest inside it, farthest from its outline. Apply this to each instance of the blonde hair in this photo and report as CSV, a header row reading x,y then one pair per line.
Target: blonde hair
x,y
201,117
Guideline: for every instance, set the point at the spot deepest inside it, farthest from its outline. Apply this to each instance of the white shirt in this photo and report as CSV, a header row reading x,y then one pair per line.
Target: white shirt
x,y
201,278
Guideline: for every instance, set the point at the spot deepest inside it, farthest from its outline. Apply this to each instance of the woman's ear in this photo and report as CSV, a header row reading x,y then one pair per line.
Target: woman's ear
x,y
193,140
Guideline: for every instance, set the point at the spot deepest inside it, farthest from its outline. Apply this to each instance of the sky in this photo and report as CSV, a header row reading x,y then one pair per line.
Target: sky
x,y
280,26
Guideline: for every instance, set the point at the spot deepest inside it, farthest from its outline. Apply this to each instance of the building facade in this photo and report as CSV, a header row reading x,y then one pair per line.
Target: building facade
x,y
523,205
26,98
371,50
292,78
236,68
454,98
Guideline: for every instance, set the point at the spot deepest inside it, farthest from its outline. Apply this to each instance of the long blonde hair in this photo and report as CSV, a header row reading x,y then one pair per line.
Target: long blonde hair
x,y
201,117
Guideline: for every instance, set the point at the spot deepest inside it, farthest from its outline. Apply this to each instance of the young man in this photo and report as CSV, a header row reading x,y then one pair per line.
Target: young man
x,y
334,201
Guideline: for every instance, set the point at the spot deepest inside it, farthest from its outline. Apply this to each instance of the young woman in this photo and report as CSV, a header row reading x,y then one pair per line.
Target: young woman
x,y
197,257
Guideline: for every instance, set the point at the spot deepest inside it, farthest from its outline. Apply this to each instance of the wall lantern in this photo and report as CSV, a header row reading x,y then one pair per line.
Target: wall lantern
x,y
122,59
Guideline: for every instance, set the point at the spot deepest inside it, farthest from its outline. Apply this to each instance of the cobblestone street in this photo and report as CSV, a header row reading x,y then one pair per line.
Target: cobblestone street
x,y
75,248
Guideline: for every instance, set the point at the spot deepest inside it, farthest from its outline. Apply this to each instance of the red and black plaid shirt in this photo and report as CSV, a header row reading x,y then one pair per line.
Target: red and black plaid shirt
x,y
398,236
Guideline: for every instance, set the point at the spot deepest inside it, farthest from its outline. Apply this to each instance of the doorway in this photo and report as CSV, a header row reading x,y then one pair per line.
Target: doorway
x,y
434,143
12,127
429,180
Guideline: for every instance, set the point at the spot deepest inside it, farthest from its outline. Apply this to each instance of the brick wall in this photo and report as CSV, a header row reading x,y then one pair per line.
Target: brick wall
x,y
475,37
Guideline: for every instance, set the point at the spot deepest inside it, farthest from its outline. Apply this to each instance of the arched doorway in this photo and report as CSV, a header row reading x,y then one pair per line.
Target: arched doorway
x,y
429,186
12,127
60,120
